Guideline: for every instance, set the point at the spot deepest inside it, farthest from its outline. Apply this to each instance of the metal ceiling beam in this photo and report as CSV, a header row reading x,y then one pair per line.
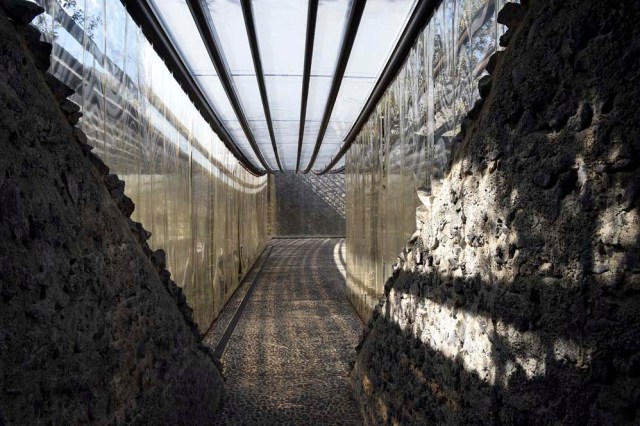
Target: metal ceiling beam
x,y
153,30
418,21
353,22
247,13
202,18
312,15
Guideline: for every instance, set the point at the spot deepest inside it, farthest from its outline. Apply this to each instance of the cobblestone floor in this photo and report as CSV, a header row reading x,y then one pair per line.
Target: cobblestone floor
x,y
287,361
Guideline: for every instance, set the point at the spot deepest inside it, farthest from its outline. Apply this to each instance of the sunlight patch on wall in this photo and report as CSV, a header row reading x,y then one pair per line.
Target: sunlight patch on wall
x,y
476,342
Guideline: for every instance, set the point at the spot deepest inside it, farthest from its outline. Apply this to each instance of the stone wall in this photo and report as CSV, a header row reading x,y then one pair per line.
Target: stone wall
x,y
308,205
517,301
92,328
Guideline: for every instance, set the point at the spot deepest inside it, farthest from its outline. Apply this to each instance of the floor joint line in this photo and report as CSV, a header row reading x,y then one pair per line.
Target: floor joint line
x,y
222,344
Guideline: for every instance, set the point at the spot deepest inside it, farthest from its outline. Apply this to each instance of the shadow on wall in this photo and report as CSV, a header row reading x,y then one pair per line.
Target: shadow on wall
x,y
92,328
519,302
442,352
310,205
330,188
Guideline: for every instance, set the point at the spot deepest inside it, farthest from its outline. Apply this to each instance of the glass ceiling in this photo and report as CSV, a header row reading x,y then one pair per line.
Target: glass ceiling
x,y
280,27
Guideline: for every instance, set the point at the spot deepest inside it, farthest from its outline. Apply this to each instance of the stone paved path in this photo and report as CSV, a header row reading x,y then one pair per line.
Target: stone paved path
x,y
287,361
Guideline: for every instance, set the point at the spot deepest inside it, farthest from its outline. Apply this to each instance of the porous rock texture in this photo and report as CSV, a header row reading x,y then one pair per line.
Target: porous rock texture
x,y
91,331
518,299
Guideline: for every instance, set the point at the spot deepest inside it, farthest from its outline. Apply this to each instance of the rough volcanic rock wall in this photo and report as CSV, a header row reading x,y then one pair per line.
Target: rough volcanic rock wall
x,y
517,301
92,329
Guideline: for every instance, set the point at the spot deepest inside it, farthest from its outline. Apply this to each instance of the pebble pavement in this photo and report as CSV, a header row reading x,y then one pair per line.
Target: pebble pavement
x,y
288,359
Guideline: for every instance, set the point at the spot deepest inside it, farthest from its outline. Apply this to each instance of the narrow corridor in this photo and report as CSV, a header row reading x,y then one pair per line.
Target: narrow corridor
x,y
287,358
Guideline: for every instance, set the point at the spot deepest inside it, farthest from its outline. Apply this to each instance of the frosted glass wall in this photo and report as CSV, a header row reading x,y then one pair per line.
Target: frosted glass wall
x,y
407,141
202,207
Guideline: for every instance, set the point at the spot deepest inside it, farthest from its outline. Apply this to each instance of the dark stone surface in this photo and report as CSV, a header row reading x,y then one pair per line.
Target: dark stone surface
x,y
89,333
68,107
60,90
21,11
511,15
493,61
74,117
505,38
138,231
97,163
529,313
115,186
484,86
309,205
42,56
159,258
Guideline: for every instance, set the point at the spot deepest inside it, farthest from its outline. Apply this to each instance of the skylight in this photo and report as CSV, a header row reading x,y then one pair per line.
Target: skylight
x,y
280,27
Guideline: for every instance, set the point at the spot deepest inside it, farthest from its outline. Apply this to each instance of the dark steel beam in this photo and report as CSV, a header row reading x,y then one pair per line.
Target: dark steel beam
x,y
418,21
247,13
203,21
153,30
353,22
312,14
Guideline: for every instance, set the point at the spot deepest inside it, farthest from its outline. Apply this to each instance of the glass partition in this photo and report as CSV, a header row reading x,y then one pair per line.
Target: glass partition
x,y
228,24
282,53
407,140
382,23
180,26
203,208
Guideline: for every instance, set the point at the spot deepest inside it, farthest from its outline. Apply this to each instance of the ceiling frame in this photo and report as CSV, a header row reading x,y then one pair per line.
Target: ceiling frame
x,y
247,13
312,15
205,26
418,21
146,18
356,10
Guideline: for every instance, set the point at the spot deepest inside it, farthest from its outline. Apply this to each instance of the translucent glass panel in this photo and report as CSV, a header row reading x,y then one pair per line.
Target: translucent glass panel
x,y
407,141
175,15
308,205
212,87
381,26
280,27
281,31
233,42
282,53
179,24
205,210
330,26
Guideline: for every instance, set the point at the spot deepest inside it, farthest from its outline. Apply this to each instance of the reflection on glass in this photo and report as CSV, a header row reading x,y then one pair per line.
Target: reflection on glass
x,y
233,42
378,32
407,141
330,25
179,24
281,32
202,207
